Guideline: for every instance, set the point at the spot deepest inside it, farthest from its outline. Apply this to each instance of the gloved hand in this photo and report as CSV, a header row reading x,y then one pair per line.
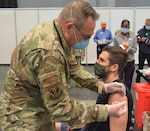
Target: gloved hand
x,y
115,87
117,109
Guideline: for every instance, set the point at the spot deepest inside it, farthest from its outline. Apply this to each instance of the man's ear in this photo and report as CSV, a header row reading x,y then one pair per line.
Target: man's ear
x,y
69,26
115,67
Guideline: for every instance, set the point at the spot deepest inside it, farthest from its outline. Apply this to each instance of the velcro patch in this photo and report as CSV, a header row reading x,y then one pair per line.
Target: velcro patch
x,y
73,62
55,92
50,80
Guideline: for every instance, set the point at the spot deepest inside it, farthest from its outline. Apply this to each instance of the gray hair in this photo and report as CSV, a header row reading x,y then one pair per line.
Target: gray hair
x,y
148,20
78,11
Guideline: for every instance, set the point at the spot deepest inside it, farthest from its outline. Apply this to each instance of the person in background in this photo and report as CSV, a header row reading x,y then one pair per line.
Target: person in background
x,y
119,31
35,93
143,39
102,37
127,40
79,55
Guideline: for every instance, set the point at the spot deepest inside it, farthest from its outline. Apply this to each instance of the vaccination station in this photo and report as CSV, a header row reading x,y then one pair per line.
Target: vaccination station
x,y
75,65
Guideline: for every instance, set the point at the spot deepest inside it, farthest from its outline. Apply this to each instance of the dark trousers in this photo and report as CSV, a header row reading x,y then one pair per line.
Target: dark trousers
x,y
142,58
99,49
127,74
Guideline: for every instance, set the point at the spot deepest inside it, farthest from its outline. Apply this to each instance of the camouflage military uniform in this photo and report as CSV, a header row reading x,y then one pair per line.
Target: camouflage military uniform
x,y
78,54
35,93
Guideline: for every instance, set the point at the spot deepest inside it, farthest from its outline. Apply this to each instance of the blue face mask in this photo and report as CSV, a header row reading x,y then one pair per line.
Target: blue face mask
x,y
147,27
81,44
124,30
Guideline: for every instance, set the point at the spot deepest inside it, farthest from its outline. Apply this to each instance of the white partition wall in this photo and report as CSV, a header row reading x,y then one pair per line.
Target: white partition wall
x,y
7,35
118,14
25,20
15,23
48,14
91,55
141,15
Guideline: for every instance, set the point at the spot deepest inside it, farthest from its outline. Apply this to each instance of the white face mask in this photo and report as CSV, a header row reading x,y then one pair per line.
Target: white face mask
x,y
81,45
147,27
124,30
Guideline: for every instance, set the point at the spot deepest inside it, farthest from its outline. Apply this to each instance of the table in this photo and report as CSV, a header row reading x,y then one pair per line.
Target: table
x,y
146,77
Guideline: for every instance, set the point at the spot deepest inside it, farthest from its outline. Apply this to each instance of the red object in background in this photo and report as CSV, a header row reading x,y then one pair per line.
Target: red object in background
x,y
142,101
124,46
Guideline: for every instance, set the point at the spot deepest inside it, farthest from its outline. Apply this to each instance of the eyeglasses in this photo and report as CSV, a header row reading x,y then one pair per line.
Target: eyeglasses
x,y
125,26
85,37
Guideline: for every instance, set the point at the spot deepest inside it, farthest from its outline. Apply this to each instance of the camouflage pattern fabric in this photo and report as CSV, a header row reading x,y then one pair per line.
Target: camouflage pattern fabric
x,y
35,93
78,54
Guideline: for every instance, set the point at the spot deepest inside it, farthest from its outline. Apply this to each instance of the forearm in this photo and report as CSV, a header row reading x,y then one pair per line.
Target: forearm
x,y
76,114
147,41
133,49
86,79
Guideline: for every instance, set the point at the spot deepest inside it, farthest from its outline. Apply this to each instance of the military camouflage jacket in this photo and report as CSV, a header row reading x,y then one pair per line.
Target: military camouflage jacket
x,y
35,93
78,52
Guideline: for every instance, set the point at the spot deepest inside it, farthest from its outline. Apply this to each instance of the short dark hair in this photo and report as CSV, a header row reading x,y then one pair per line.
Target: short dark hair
x,y
117,56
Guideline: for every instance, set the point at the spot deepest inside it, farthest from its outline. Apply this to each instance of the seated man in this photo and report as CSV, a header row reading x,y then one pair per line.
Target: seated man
x,y
111,61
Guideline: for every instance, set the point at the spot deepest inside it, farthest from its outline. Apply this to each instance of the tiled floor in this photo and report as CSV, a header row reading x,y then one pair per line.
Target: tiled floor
x,y
79,94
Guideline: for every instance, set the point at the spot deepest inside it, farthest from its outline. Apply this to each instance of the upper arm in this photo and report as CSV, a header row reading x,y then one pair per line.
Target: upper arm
x,y
118,124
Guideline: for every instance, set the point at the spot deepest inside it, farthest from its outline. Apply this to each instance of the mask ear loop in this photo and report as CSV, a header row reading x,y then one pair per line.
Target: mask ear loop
x,y
71,17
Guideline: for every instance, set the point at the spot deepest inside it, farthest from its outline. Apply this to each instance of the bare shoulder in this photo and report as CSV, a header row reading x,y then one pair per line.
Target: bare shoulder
x,y
116,97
